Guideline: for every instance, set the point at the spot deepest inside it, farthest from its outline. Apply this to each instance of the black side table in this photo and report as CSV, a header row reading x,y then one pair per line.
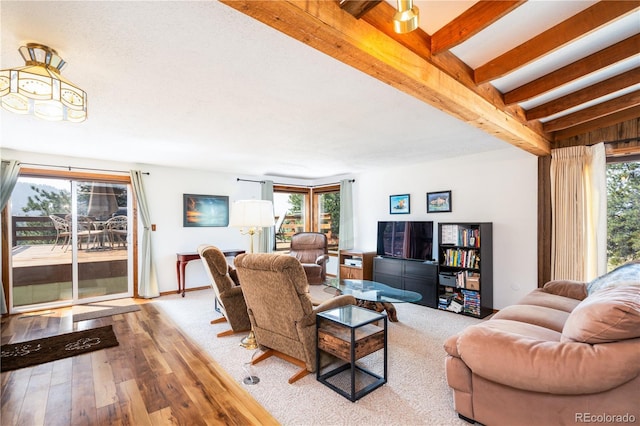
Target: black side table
x,y
348,333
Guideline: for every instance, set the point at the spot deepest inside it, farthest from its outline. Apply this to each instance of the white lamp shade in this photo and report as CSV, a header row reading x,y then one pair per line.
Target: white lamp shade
x,y
252,214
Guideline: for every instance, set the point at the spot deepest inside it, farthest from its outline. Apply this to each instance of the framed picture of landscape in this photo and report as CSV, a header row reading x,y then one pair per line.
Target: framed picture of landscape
x,y
439,202
205,210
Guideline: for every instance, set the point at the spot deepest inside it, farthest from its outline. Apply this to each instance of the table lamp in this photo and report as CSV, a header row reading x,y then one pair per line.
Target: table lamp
x,y
251,216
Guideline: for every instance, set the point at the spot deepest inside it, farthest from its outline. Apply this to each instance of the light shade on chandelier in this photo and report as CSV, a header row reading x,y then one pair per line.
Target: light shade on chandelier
x,y
406,17
38,88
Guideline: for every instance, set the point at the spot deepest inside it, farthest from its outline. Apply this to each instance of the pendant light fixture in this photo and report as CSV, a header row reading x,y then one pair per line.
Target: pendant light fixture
x,y
405,19
38,88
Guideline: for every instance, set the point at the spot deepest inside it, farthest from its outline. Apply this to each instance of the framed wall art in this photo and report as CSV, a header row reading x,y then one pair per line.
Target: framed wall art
x,y
399,204
205,210
439,202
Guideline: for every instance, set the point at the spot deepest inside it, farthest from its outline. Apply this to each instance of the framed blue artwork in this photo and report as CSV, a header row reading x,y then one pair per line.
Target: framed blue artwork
x,y
205,210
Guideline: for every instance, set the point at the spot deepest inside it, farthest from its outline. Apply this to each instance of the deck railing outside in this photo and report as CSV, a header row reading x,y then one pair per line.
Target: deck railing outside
x,y
31,230
292,224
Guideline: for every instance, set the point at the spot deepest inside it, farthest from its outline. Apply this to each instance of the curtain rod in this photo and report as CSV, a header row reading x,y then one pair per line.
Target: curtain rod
x,y
624,140
289,184
616,141
80,168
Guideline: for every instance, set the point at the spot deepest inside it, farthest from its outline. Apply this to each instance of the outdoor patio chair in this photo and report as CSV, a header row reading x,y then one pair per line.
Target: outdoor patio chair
x,y
116,231
63,231
87,231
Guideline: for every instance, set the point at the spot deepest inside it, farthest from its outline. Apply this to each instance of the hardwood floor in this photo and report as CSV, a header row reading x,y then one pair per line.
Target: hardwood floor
x,y
155,376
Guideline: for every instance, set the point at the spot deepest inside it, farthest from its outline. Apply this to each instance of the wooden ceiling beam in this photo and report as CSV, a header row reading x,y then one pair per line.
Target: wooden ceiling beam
x,y
357,8
597,111
595,91
325,27
599,123
585,66
554,38
418,42
472,21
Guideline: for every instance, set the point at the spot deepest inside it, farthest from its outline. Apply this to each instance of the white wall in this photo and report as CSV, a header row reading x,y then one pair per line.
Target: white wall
x,y
498,187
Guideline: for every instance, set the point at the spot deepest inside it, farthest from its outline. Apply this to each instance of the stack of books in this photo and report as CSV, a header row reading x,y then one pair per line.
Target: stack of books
x,y
451,301
471,303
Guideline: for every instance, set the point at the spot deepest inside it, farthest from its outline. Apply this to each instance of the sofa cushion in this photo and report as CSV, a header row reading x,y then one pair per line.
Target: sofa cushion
x,y
567,288
542,316
622,274
608,315
540,297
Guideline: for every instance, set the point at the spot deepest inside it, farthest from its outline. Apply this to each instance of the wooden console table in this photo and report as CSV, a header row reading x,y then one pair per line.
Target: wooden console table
x,y
184,258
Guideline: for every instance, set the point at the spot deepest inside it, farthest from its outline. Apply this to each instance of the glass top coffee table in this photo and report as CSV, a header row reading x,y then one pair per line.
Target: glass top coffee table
x,y
374,295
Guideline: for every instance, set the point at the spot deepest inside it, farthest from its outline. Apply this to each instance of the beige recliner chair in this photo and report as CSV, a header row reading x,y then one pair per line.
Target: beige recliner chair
x,y
311,249
283,318
229,298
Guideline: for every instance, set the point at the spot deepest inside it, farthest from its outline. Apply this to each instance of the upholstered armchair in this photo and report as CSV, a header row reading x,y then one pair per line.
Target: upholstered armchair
x,y
311,249
283,318
229,297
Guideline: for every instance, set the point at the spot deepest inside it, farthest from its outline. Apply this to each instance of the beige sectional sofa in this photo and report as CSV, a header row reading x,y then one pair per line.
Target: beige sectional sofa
x,y
568,353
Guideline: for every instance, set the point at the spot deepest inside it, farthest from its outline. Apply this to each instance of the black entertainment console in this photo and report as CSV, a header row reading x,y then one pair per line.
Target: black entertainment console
x,y
414,275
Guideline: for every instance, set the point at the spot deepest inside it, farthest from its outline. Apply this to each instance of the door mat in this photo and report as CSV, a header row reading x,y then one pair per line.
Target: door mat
x,y
105,312
34,352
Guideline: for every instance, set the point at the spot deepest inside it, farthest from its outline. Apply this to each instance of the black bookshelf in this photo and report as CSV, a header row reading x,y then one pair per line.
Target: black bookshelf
x,y
465,258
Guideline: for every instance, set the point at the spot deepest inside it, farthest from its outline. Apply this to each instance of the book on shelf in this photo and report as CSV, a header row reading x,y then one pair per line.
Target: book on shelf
x,y
446,300
455,306
458,235
462,258
471,304
449,234
468,280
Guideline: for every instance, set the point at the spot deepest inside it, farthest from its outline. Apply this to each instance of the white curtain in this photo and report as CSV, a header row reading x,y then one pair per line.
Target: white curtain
x,y
578,206
267,238
10,171
346,214
147,279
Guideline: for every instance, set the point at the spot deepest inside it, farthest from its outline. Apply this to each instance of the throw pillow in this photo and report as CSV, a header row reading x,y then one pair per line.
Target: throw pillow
x,y
627,272
608,315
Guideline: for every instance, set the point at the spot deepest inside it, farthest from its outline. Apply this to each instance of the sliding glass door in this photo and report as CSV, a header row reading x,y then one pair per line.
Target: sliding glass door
x,y
70,241
101,225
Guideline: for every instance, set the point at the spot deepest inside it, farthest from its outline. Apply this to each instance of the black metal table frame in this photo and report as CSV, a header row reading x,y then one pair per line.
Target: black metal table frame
x,y
380,380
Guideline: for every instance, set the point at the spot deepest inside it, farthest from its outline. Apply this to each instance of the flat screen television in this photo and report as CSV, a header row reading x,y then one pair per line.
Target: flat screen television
x,y
406,239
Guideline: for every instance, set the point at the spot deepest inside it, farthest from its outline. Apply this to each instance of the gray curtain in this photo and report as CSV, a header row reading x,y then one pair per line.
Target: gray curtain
x,y
147,280
10,171
346,214
267,238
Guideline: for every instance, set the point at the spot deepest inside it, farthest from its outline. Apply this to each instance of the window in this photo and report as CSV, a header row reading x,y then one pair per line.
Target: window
x,y
623,212
326,204
299,209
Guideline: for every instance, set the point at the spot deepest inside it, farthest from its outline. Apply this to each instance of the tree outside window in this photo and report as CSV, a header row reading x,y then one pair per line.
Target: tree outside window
x,y
623,213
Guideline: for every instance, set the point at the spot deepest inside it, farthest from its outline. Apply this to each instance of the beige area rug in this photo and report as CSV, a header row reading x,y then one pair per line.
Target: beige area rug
x,y
103,309
416,392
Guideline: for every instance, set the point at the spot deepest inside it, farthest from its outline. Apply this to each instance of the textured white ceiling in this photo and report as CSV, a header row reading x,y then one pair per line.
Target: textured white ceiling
x,y
199,85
